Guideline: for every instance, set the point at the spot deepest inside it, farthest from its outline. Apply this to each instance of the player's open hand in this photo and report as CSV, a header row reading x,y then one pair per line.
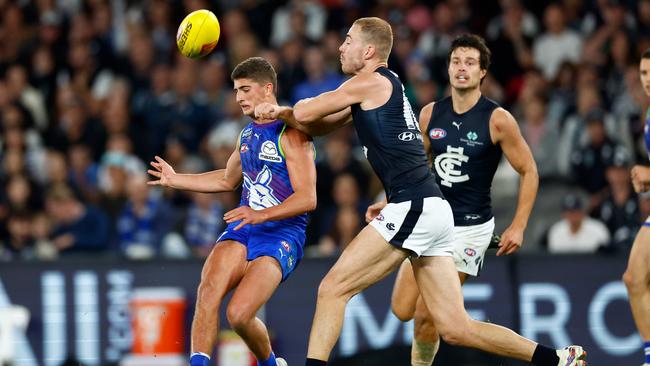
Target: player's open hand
x,y
267,111
374,210
247,216
163,171
511,241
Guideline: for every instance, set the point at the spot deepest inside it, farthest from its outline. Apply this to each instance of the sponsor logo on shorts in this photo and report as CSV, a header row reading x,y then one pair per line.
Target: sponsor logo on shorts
x,y
286,246
470,252
437,133
290,261
390,226
281,253
379,217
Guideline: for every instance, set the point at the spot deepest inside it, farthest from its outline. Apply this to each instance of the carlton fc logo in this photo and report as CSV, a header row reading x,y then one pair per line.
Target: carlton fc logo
x,y
270,152
437,133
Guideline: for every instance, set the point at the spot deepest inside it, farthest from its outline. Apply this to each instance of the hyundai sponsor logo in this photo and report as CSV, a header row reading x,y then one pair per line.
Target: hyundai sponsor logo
x,y
406,136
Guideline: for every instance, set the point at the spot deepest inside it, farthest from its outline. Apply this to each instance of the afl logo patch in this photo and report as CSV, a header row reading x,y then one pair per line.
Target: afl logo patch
x,y
406,136
470,252
437,133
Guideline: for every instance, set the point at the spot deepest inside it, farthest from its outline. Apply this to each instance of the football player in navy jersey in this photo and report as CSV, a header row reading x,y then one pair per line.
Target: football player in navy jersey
x,y
637,274
465,135
416,223
263,242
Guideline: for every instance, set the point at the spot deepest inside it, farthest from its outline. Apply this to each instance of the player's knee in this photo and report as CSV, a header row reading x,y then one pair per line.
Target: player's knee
x,y
238,315
634,281
331,287
207,294
401,311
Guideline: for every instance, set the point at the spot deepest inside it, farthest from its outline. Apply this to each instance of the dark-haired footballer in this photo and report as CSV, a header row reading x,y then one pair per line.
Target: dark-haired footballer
x,y
263,242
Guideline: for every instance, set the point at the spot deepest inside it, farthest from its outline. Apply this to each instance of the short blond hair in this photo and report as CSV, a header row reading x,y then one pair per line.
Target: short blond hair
x,y
377,32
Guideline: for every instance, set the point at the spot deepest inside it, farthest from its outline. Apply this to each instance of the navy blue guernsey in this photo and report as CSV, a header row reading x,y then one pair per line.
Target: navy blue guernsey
x,y
392,143
464,158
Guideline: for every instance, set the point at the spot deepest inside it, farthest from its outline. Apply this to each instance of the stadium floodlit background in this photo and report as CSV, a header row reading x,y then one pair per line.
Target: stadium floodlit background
x,y
91,90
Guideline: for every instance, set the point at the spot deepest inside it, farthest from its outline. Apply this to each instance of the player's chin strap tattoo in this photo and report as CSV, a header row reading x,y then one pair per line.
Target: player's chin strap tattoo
x,y
494,242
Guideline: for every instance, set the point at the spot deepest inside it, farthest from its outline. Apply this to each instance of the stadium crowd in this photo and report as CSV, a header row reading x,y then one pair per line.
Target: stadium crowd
x,y
91,91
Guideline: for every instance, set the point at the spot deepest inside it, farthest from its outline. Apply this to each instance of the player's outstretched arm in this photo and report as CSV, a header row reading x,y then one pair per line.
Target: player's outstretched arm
x,y
326,125
316,110
505,131
299,154
221,180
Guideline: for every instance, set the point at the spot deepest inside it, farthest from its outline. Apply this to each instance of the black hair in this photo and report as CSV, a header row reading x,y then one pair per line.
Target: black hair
x,y
476,42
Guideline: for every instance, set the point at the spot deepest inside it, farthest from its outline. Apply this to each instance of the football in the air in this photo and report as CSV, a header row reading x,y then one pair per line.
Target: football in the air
x,y
198,33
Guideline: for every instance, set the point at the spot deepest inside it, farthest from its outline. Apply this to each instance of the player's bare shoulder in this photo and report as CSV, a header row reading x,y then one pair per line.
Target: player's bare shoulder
x,y
373,88
502,124
294,137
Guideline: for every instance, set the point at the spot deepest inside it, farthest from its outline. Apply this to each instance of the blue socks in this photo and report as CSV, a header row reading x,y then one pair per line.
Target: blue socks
x,y
269,362
199,359
646,349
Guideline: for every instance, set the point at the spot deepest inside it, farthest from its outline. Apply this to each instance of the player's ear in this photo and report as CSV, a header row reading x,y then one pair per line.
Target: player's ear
x,y
370,51
269,88
483,73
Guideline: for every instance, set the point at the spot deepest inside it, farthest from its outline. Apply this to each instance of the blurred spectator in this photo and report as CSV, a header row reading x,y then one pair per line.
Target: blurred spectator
x,y
143,222
337,159
347,224
434,43
158,14
298,19
319,80
562,96
78,228
510,36
541,133
116,166
345,193
643,18
576,232
222,140
214,89
620,208
203,224
588,162
601,42
291,71
557,44
187,112
91,82
83,173
57,169
31,98
41,230
19,243
22,195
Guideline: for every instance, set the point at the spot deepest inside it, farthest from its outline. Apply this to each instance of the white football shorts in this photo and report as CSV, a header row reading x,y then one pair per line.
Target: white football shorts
x,y
424,226
470,245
